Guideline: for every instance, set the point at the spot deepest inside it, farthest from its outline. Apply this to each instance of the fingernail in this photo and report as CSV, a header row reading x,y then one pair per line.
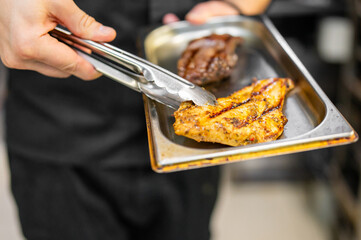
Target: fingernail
x,y
104,30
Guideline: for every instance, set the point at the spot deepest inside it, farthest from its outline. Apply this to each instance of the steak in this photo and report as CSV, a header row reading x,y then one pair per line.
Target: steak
x,y
209,59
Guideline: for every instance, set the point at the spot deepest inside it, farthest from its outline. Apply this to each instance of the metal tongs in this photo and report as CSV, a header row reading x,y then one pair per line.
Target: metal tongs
x,y
136,73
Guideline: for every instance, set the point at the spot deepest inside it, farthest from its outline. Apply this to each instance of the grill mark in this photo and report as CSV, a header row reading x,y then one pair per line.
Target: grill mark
x,y
217,53
272,108
226,109
233,106
265,87
255,118
194,52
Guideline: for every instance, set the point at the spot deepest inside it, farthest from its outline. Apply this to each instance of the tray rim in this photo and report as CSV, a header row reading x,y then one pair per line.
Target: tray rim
x,y
207,157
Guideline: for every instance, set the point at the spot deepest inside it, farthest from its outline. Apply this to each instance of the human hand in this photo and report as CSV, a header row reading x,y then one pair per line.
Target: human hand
x,y
201,12
26,44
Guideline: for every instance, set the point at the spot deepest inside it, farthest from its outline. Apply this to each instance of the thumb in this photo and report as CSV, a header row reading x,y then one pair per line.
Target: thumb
x,y
81,24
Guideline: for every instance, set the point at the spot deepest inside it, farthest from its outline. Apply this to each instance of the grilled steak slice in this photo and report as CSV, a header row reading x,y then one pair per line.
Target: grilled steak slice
x,y
209,59
250,115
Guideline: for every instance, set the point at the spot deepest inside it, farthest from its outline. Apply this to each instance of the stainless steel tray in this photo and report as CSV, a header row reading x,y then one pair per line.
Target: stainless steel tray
x,y
313,121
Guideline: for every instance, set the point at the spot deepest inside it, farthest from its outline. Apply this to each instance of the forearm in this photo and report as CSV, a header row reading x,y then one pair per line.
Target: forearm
x,y
203,11
251,7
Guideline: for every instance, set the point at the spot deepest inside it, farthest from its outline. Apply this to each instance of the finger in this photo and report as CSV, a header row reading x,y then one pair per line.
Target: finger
x,y
203,11
63,58
45,69
51,71
80,23
170,18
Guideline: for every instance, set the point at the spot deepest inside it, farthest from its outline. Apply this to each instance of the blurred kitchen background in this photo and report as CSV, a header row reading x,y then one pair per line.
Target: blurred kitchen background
x,y
311,195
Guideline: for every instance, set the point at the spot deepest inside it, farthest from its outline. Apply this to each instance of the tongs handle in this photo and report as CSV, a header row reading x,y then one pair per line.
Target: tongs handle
x,y
122,76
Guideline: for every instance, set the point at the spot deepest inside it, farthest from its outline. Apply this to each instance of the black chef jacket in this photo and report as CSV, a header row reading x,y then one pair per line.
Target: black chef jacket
x,y
76,122
78,151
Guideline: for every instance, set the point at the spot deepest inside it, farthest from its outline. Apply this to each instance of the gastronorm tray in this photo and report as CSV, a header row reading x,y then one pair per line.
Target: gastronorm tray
x,y
313,121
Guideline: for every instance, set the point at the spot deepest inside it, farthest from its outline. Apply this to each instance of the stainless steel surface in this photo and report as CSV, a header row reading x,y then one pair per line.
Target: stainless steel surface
x,y
313,121
140,75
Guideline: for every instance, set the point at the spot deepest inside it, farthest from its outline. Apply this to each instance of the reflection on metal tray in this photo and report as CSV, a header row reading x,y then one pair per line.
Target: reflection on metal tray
x,y
313,121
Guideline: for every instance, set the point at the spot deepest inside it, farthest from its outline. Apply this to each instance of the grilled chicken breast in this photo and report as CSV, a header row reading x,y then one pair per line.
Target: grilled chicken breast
x,y
250,115
209,59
